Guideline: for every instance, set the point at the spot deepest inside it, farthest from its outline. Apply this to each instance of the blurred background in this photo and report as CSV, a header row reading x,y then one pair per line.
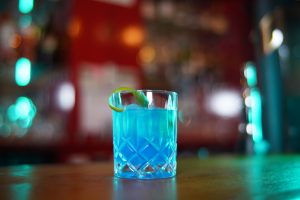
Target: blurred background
x,y
235,65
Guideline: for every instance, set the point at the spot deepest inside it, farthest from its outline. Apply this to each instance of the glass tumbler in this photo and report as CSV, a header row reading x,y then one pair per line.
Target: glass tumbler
x,y
145,137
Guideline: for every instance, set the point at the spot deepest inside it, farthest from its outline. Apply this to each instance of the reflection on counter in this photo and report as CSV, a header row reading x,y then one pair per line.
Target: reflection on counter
x,y
150,189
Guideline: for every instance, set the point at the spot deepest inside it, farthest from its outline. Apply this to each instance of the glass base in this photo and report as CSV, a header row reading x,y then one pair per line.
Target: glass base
x,y
152,175
147,172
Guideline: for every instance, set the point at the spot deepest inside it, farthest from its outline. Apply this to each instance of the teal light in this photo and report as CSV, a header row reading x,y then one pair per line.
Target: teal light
x,y
23,107
256,117
255,120
250,115
255,110
26,122
21,190
22,112
26,6
11,113
250,74
23,72
25,21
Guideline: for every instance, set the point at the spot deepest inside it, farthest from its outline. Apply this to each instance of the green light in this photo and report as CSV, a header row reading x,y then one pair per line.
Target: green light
x,y
250,74
26,6
23,72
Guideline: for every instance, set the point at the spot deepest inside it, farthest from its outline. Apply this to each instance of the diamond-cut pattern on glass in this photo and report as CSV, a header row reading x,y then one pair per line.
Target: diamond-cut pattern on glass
x,y
148,158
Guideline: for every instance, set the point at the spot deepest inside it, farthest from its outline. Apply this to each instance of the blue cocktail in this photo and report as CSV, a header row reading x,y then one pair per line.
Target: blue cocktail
x,y
145,137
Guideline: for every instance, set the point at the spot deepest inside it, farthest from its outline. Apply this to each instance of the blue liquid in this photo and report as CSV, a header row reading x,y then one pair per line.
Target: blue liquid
x,y
145,143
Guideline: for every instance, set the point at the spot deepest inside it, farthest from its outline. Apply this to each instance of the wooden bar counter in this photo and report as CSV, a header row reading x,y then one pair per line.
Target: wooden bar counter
x,y
221,177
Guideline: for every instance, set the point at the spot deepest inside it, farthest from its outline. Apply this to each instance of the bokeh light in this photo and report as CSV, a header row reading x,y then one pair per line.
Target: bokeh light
x,y
26,6
65,96
23,71
224,103
133,36
276,39
74,28
22,112
25,21
15,41
250,74
147,54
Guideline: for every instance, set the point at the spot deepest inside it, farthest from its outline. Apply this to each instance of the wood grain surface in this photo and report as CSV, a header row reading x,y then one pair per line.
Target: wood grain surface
x,y
222,177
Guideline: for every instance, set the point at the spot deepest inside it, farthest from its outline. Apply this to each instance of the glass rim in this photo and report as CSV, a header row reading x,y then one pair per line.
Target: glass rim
x,y
154,91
